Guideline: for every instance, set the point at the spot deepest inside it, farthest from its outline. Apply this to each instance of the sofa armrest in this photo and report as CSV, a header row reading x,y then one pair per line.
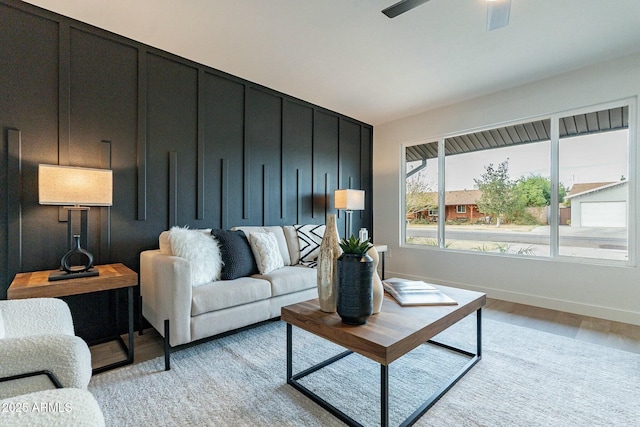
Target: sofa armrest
x,y
67,357
166,290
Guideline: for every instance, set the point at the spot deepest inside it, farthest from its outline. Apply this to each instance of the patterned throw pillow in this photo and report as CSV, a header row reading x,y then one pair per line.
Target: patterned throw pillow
x,y
266,252
236,254
309,237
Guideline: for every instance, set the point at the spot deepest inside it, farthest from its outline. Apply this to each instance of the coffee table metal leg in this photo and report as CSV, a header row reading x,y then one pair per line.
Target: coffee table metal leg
x,y
293,380
479,332
384,380
289,347
384,395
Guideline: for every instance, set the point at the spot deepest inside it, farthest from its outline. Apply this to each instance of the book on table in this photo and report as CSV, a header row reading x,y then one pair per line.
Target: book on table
x,y
415,292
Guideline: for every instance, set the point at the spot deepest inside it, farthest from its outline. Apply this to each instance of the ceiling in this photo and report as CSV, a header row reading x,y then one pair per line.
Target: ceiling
x,y
345,55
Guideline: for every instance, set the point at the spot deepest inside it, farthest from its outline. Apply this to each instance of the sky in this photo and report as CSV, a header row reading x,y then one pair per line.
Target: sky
x,y
599,157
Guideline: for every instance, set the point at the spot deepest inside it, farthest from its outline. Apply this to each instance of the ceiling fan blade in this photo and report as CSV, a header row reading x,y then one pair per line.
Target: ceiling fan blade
x,y
498,14
401,7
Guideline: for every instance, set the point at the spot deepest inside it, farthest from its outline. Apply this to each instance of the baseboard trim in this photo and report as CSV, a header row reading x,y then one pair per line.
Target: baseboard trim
x,y
592,310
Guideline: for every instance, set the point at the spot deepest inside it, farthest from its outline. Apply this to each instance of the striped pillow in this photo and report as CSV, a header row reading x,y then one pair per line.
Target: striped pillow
x,y
309,238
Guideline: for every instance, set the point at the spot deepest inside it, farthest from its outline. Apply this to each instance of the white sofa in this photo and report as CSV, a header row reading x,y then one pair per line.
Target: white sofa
x,y
183,313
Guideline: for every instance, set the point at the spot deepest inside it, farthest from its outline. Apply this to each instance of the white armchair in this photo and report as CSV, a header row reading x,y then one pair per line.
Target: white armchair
x,y
60,407
38,348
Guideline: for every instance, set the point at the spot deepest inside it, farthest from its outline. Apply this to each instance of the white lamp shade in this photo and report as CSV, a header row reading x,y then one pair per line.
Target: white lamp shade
x,y
352,200
68,185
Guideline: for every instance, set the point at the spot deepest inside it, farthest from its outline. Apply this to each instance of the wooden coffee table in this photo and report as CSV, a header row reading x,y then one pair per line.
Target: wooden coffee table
x,y
387,336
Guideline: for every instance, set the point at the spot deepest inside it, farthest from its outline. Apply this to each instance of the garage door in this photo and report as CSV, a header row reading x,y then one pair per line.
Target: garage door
x,y
603,214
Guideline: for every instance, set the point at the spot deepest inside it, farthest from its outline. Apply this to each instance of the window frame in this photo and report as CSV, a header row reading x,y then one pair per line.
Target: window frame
x,y
554,208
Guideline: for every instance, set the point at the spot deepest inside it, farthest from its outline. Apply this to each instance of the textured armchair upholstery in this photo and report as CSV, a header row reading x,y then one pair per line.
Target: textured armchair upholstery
x,y
37,335
63,407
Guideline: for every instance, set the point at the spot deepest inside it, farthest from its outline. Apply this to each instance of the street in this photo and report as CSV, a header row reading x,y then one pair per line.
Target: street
x,y
584,237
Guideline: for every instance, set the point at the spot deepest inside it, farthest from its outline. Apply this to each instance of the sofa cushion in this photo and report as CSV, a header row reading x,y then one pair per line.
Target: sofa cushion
x,y
266,252
1,325
202,252
236,254
277,232
291,279
291,236
309,238
224,294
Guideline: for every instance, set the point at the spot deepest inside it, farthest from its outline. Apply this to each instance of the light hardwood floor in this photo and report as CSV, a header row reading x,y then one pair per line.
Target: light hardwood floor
x,y
612,334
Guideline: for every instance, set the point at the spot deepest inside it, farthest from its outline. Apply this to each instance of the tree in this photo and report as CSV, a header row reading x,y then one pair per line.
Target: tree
x,y
498,196
419,194
535,190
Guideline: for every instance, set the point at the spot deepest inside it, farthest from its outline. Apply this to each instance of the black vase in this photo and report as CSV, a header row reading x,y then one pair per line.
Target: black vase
x,y
355,288
77,260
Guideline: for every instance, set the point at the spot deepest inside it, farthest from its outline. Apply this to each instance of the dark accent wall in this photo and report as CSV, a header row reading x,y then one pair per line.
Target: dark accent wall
x,y
188,144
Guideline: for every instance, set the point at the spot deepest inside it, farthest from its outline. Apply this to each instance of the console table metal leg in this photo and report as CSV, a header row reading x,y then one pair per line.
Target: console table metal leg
x,y
127,349
132,328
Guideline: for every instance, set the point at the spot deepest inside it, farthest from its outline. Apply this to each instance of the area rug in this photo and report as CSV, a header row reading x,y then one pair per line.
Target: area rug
x,y
525,378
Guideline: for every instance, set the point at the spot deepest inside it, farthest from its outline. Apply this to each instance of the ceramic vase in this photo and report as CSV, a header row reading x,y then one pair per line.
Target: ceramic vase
x,y
378,289
355,288
327,269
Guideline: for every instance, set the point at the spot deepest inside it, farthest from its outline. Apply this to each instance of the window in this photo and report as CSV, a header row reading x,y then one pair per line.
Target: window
x,y
595,168
421,193
553,187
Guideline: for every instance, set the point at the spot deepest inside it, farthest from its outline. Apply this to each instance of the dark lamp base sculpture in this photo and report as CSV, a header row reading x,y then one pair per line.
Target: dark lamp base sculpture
x,y
76,263
63,275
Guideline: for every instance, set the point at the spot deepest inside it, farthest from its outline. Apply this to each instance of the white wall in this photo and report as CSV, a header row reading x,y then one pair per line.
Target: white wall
x,y
585,288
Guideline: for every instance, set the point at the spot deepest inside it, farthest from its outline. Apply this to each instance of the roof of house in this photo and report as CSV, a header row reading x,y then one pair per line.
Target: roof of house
x,y
459,197
586,186
589,187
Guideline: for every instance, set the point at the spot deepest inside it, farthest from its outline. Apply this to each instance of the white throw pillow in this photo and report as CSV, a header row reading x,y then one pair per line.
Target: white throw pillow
x,y
266,252
201,250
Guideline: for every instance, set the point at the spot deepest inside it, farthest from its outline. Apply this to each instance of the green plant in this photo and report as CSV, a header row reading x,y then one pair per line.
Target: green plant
x,y
483,248
353,245
526,251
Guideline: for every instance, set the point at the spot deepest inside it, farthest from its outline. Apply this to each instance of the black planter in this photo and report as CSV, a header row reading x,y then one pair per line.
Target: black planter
x,y
355,288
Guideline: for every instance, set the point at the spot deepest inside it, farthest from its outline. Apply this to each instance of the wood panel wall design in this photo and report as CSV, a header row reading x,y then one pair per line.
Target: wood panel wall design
x,y
189,145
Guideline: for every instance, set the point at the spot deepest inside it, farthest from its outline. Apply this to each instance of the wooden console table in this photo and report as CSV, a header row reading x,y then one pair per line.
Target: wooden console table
x,y
112,277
